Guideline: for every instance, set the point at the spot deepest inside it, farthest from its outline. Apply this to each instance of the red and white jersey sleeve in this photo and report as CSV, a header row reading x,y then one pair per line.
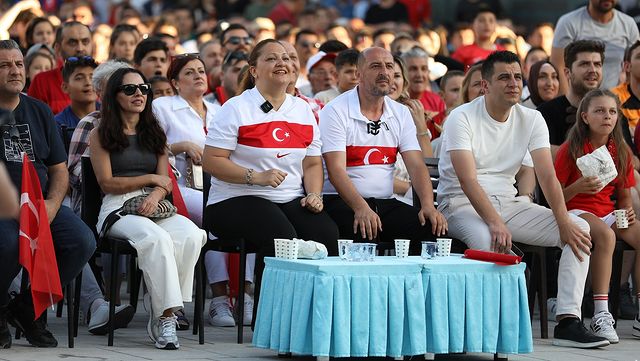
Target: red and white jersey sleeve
x,y
370,158
261,141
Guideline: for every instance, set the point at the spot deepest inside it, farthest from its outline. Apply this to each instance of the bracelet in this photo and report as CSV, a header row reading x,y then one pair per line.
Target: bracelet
x,y
249,176
427,133
317,195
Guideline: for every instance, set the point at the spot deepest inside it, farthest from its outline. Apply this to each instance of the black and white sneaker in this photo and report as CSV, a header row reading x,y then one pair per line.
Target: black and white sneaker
x,y
570,332
636,327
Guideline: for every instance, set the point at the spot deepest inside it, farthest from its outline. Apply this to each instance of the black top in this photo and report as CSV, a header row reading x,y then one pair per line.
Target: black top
x,y
36,135
133,160
397,13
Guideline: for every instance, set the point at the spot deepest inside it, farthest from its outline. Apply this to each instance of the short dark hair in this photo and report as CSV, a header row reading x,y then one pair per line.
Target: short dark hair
x,y
302,32
146,46
234,26
629,51
448,75
158,79
232,58
347,57
503,56
582,46
381,32
79,62
67,25
532,50
119,30
333,46
177,63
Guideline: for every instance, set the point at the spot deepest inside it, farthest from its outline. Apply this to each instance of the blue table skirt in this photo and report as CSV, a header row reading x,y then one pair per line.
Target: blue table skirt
x,y
392,307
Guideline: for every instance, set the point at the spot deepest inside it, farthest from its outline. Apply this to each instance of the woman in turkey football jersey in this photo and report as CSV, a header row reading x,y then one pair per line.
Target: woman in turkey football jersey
x,y
263,152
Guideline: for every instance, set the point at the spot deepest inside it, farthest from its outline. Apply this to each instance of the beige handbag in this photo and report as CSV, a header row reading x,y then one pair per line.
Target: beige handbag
x,y
193,178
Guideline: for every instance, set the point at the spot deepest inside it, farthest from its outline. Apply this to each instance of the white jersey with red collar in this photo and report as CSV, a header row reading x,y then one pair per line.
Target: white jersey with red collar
x,y
371,147
261,141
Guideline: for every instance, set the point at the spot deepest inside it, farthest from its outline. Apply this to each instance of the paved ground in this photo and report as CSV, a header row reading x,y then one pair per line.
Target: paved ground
x,y
133,344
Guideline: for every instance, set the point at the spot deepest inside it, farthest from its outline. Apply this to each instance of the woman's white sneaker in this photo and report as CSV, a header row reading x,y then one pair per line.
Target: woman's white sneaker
x,y
602,325
220,312
167,338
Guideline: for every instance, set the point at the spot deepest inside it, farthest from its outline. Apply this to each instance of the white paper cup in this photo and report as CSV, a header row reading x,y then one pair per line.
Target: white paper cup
x,y
343,247
443,246
402,247
286,248
622,222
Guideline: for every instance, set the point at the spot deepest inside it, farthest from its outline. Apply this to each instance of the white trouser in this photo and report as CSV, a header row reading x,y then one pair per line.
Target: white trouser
x,y
528,223
216,264
168,250
193,200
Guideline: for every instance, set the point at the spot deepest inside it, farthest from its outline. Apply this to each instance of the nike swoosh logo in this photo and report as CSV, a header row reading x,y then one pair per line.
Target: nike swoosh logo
x,y
282,155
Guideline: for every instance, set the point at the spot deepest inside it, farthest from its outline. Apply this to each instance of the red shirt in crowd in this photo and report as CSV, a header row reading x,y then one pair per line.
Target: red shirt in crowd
x,y
471,54
47,87
282,13
432,102
600,203
419,11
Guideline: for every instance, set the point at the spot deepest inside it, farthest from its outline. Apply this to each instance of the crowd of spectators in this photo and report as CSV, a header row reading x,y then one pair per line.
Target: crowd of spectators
x,y
313,119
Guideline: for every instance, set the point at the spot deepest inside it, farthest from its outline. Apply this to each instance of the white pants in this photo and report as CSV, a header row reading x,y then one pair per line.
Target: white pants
x,y
193,200
168,250
216,265
528,223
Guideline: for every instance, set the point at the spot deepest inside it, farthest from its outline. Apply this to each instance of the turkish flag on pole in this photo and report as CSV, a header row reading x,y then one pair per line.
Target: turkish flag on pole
x,y
37,255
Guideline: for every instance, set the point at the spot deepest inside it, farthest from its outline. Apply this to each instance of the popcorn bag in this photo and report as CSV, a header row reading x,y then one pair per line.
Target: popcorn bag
x,y
598,163
311,249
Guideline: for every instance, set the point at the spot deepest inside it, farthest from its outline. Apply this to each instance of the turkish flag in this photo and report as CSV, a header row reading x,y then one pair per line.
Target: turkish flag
x,y
370,155
37,254
276,134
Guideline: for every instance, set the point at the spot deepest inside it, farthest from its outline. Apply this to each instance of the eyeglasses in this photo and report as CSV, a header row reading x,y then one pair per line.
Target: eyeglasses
x,y
130,89
235,55
309,44
78,59
235,40
186,55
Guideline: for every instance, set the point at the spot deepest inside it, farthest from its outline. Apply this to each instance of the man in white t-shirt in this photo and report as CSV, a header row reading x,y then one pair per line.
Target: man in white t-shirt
x,y
362,132
484,144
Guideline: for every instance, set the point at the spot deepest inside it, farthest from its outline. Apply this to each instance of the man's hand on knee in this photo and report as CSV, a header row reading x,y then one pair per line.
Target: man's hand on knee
x,y
576,238
500,237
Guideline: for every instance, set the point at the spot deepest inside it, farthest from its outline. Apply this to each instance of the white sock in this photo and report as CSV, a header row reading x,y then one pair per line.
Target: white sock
x,y
600,303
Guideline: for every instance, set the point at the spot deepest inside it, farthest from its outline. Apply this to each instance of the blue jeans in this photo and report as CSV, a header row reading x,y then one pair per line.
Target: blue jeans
x,y
72,239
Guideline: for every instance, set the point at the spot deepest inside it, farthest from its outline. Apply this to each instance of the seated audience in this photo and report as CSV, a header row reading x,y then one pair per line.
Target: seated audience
x,y
123,42
275,180
484,29
168,248
161,87
77,75
347,79
151,58
476,192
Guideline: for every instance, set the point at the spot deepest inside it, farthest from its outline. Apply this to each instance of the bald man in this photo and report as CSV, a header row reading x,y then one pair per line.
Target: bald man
x,y
363,131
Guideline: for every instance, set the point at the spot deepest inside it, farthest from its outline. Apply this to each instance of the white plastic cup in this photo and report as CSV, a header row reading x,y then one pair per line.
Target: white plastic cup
x,y
286,248
402,247
622,222
443,246
343,247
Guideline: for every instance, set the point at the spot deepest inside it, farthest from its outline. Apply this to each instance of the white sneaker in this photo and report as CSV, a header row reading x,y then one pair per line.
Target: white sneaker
x,y
552,304
602,326
220,312
99,320
167,338
247,315
636,327
152,325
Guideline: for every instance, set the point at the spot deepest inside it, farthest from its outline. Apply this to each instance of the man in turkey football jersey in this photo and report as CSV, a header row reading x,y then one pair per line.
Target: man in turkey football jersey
x,y
363,131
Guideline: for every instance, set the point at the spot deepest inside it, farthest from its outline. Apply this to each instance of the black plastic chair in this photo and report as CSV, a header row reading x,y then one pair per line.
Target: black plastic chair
x,y
221,245
91,202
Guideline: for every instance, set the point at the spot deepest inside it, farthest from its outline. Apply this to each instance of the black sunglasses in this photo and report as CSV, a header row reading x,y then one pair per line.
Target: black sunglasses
x,y
310,44
130,89
187,55
235,40
235,55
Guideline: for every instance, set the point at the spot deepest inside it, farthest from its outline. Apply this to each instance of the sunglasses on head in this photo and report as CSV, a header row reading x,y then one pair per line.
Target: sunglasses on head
x,y
78,59
235,40
187,55
130,89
